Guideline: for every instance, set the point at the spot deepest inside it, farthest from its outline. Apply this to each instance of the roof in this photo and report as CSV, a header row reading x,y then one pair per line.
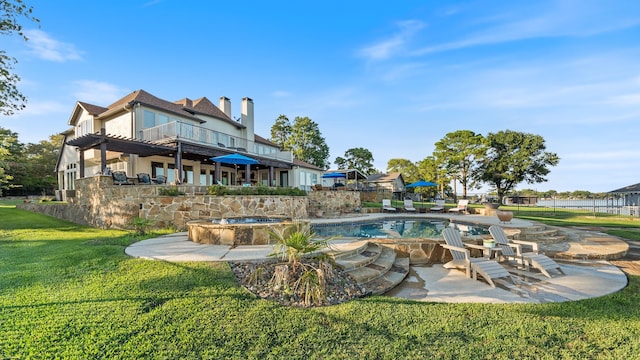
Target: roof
x,y
304,164
92,109
379,178
635,188
260,139
350,173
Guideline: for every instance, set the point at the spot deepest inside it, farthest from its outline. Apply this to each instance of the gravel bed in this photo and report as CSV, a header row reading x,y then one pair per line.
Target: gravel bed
x,y
340,287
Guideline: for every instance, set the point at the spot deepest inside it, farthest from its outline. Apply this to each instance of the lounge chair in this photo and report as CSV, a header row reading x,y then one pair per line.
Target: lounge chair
x,y
408,205
528,259
488,269
462,207
439,206
386,205
144,178
120,178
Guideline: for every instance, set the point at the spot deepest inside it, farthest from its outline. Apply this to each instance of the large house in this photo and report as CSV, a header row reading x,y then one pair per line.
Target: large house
x,y
142,133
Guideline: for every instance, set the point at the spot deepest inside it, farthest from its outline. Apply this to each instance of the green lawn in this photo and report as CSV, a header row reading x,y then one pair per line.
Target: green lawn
x,y
68,291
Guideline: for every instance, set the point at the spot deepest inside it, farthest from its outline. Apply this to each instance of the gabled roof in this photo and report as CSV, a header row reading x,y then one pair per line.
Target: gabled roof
x,y
305,165
92,109
635,188
260,139
380,178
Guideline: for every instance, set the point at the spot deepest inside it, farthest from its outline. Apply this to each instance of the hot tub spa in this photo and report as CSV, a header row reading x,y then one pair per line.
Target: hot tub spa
x,y
236,231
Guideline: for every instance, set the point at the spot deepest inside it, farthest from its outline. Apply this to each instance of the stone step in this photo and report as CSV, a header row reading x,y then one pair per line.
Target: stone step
x,y
396,274
345,249
359,259
376,269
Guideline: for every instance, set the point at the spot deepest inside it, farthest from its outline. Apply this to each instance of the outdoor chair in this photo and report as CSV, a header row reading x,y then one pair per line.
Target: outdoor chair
x,y
144,178
120,178
488,269
439,206
408,205
386,205
527,259
462,207
160,179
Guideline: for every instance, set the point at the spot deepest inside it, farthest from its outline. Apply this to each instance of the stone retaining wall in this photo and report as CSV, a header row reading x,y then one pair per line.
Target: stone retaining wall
x,y
101,204
333,203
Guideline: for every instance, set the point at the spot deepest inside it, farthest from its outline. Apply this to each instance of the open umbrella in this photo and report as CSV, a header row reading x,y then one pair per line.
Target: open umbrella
x,y
334,176
236,159
422,183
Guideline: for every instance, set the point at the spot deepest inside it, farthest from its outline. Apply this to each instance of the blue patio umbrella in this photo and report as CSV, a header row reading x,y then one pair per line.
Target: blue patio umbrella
x,y
422,183
236,159
334,175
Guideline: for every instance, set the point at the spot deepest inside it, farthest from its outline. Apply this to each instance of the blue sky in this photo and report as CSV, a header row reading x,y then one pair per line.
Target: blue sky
x,y
390,77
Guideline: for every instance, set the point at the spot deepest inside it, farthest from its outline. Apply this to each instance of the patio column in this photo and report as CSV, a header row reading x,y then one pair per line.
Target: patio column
x,y
247,174
271,176
218,175
179,163
103,151
81,163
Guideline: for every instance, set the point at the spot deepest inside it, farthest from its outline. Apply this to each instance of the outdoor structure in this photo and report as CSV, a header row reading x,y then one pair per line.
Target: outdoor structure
x,y
393,182
142,133
353,179
631,196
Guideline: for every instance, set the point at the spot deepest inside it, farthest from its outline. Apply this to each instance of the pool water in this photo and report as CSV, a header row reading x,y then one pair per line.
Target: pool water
x,y
396,228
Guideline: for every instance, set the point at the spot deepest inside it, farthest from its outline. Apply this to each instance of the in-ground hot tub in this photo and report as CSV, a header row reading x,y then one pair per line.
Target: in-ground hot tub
x,y
236,231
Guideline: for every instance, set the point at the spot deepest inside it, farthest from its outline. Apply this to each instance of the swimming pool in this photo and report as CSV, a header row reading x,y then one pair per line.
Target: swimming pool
x,y
395,228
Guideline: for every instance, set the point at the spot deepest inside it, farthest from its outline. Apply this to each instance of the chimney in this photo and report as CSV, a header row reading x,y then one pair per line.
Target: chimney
x,y
247,117
225,106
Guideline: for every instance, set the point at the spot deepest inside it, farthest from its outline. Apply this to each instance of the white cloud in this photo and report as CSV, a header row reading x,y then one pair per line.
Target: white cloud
x,y
97,92
281,93
45,47
35,108
386,48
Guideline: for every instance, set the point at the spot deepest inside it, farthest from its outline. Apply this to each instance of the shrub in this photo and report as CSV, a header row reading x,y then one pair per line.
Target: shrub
x,y
170,191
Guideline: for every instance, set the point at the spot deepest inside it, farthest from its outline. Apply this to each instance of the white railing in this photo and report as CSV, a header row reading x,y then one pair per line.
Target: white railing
x,y
201,135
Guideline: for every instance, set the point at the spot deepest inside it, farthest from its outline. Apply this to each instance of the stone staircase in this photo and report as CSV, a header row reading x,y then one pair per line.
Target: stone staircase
x,y
374,266
541,234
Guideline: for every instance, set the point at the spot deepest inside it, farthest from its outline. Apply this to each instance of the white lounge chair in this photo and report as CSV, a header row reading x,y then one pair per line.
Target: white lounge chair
x,y
386,205
439,206
488,269
408,205
539,261
462,207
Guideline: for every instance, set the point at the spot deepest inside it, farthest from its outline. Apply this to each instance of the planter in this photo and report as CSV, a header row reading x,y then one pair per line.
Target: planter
x,y
489,243
504,216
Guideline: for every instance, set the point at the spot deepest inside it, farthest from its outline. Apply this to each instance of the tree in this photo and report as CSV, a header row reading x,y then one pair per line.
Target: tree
x,y
40,163
281,131
408,169
428,170
10,150
11,99
307,144
514,157
458,154
356,158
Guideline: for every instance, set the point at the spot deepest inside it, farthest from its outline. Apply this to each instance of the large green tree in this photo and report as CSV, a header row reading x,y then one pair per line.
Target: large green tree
x,y
459,154
10,152
356,158
408,169
514,157
11,11
303,139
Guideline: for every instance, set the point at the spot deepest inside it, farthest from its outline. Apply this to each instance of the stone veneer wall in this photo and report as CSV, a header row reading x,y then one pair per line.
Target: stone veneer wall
x,y
333,202
100,204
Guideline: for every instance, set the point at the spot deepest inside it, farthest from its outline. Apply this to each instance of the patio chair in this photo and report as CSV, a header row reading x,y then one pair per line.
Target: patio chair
x,y
160,179
527,259
120,178
462,207
439,206
488,269
144,178
386,205
408,205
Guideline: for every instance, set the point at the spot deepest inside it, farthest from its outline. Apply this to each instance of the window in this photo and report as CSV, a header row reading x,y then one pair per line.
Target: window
x,y
187,177
171,173
149,119
157,169
162,119
71,176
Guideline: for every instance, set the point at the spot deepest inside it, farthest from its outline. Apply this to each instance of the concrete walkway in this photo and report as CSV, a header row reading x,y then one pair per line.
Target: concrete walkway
x,y
583,279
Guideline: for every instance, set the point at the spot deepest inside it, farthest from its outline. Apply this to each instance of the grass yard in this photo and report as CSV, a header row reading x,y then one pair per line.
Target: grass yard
x,y
68,291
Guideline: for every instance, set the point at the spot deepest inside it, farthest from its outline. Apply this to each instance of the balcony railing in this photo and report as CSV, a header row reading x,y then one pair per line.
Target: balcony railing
x,y
204,136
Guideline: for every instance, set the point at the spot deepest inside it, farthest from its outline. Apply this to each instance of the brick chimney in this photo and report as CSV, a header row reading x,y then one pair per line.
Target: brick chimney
x,y
247,117
225,106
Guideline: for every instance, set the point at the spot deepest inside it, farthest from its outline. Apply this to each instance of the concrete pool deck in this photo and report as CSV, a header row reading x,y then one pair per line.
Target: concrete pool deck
x,y
432,283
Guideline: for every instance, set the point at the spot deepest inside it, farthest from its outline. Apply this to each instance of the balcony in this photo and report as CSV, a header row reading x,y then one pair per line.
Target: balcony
x,y
200,135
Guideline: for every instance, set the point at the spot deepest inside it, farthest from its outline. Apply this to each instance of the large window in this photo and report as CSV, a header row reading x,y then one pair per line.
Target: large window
x,y
187,178
157,169
171,173
149,119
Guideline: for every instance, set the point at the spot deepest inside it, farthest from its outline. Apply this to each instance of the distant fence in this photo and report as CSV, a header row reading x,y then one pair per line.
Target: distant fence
x,y
611,205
